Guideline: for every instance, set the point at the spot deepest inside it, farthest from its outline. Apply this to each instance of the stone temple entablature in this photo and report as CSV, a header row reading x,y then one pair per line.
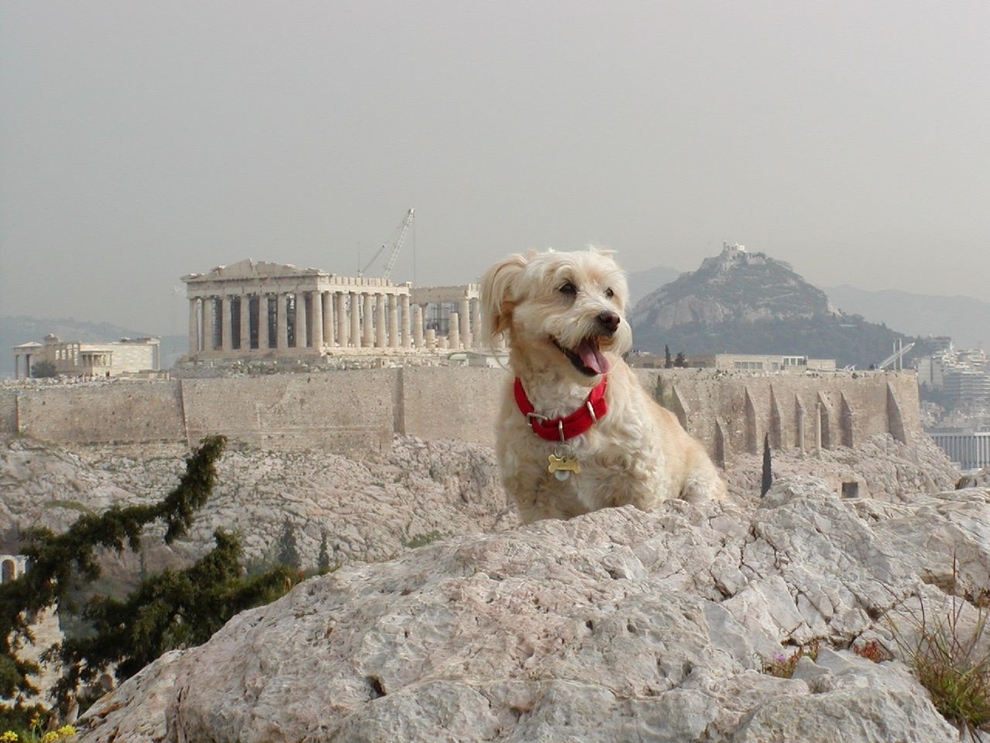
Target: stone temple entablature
x,y
259,309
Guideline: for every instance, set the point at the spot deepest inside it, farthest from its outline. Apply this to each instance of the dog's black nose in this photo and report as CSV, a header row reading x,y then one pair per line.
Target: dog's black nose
x,y
609,320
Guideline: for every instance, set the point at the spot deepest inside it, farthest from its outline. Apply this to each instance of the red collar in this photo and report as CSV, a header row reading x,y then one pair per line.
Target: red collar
x,y
561,429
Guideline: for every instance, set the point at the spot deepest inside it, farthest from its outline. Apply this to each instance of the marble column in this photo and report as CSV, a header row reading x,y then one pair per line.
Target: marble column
x,y
368,339
227,331
245,343
317,304
326,300
281,320
302,337
393,321
356,320
209,310
418,326
194,326
453,331
465,318
263,318
380,321
342,319
406,321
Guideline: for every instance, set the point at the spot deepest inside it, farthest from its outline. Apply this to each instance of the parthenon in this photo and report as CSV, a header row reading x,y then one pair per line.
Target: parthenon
x,y
252,309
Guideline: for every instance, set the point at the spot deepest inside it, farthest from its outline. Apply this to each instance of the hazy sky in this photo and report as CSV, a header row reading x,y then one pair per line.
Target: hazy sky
x,y
140,141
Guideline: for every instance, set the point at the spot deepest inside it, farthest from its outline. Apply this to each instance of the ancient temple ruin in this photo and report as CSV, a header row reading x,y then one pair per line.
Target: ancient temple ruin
x,y
258,309
127,356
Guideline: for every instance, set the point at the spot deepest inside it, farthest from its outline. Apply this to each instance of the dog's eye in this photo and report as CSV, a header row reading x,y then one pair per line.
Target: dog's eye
x,y
609,293
568,288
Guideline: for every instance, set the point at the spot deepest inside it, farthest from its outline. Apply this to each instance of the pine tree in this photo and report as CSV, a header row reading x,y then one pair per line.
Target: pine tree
x,y
174,609
287,551
767,470
668,362
170,610
323,561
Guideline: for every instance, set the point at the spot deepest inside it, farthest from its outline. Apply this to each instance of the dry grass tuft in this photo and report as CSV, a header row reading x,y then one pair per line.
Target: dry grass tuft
x,y
949,653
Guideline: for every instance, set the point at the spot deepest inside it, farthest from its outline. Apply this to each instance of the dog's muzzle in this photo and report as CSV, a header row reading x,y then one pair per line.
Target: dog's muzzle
x,y
587,357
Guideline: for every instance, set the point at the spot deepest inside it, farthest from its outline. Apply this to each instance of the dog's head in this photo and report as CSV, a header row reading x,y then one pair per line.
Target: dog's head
x,y
558,308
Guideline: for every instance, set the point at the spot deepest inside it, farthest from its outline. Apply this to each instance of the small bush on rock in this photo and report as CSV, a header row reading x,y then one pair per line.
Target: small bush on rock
x,y
873,650
782,665
949,653
421,540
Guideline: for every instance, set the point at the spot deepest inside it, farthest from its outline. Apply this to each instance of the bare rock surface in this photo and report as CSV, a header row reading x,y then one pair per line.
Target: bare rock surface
x,y
614,626
883,468
974,480
617,625
368,509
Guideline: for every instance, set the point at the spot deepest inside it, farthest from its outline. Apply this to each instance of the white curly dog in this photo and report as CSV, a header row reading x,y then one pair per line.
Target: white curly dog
x,y
577,432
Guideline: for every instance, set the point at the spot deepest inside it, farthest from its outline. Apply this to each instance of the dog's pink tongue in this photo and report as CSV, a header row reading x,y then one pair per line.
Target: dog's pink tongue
x,y
592,358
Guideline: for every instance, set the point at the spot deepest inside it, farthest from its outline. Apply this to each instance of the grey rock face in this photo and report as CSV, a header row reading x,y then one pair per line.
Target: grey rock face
x,y
855,700
615,626
369,509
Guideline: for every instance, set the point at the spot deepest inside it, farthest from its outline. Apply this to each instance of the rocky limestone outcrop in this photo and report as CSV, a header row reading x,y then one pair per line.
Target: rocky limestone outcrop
x,y
369,509
973,480
882,468
615,626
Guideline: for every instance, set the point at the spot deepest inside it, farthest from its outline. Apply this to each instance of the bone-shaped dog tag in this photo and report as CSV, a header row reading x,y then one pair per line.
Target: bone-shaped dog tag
x,y
562,466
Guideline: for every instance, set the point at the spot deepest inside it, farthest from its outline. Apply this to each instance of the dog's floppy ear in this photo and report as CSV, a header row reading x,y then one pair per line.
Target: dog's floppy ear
x,y
497,295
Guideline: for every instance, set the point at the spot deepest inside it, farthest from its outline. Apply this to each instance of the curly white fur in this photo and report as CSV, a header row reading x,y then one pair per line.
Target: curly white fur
x,y
562,316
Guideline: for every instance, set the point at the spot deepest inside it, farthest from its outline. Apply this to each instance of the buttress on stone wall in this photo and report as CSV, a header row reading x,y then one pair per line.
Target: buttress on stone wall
x,y
352,411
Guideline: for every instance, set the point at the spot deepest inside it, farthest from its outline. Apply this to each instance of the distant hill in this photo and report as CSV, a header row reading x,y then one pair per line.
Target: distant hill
x,y
734,285
964,319
15,330
746,302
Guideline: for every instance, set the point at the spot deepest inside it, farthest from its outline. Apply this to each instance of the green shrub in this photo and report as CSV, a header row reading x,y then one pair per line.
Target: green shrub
x,y
950,657
420,540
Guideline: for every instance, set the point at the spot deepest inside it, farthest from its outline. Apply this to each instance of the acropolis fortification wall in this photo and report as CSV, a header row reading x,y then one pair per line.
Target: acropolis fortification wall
x,y
350,411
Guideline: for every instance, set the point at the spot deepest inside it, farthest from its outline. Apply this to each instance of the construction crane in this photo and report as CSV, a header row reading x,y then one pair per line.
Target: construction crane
x,y
401,231
897,355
